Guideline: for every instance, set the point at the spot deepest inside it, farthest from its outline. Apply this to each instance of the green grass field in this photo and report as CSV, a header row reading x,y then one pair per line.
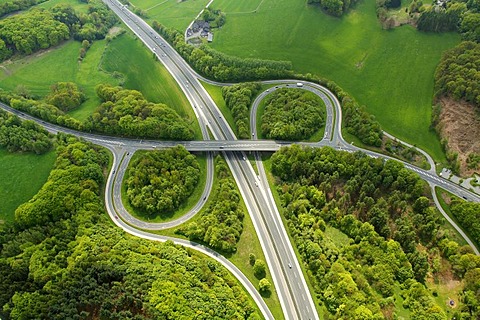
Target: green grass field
x,y
172,13
129,56
146,75
391,72
21,176
39,71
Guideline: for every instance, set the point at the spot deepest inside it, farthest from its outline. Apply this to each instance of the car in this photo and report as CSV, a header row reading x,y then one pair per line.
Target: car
x,y
276,87
221,147
113,171
299,84
204,198
290,265
244,159
128,153
256,184
154,49
116,217
268,90
253,134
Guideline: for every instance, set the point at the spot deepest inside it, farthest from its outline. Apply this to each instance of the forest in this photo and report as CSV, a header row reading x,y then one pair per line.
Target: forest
x,y
468,214
461,16
23,136
10,6
127,113
37,29
65,95
160,181
63,259
239,98
457,73
334,7
40,109
221,67
393,239
292,115
221,223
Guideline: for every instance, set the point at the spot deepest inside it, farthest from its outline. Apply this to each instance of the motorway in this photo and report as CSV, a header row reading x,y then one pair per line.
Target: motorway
x,y
296,301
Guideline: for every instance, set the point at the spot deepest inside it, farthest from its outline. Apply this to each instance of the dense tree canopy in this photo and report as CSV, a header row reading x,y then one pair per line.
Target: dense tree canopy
x,y
292,114
18,135
454,15
30,31
37,29
63,259
160,181
238,99
390,232
221,67
126,112
221,223
40,110
468,214
65,96
10,6
458,74
334,7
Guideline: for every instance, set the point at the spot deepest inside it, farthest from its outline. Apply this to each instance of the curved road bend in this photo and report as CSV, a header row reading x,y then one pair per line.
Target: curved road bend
x,y
294,305
112,211
183,77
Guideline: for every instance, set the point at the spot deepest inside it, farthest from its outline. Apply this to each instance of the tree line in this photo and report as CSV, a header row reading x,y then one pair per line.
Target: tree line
x,y
356,120
159,182
461,16
221,223
37,29
334,7
221,67
468,214
292,114
238,99
24,136
127,112
7,7
63,259
457,73
392,240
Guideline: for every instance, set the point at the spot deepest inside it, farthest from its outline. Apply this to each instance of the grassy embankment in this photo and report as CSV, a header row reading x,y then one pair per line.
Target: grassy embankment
x,y
21,176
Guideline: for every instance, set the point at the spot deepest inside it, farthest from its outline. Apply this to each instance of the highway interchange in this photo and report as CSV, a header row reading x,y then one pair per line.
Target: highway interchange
x,y
288,278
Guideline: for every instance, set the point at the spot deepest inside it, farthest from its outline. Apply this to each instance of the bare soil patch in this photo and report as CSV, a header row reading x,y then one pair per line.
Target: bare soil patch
x,y
459,123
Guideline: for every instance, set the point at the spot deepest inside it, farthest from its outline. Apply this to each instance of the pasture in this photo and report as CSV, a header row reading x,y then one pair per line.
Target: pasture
x,y
172,13
389,71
